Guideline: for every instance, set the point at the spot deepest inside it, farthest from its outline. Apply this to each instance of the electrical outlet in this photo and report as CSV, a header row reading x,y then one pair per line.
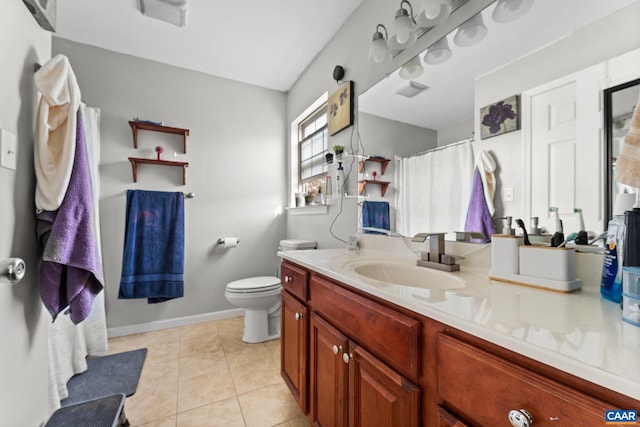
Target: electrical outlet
x,y
507,194
8,149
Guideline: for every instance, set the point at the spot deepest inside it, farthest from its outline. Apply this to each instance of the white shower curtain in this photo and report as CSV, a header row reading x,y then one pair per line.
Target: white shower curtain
x,y
70,344
433,189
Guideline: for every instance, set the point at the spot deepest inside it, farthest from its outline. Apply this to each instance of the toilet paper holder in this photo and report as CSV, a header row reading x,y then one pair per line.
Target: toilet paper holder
x,y
221,240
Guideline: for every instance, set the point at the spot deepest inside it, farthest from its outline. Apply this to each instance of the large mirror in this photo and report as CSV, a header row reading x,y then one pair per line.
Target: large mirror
x,y
557,44
619,103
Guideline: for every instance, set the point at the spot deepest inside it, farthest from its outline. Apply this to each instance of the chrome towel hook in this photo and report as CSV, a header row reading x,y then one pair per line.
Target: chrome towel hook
x,y
12,270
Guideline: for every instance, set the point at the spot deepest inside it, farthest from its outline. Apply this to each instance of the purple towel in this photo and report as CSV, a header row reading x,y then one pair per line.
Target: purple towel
x,y
478,215
71,268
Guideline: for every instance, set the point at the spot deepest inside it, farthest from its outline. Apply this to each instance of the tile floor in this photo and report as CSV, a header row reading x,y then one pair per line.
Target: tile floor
x,y
204,375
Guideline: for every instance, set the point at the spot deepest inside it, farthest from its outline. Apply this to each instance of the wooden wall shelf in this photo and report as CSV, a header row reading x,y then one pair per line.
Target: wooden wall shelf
x,y
383,164
383,185
135,126
135,160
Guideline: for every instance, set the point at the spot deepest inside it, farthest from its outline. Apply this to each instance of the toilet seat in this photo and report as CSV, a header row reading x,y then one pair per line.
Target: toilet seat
x,y
254,285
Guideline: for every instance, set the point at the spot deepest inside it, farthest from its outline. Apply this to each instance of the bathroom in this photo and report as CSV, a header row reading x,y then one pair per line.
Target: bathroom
x,y
234,167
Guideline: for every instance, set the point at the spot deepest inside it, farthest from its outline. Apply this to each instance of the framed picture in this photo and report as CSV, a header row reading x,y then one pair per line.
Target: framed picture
x,y
500,118
341,108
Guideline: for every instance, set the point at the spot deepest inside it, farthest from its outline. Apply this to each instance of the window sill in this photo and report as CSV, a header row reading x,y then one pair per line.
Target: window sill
x,y
308,210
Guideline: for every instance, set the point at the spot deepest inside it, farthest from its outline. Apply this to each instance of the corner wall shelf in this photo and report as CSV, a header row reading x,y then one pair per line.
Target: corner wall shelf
x,y
383,163
135,160
137,125
383,185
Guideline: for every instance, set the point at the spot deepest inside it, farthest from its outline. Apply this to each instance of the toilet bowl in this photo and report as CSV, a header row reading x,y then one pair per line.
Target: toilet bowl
x,y
260,298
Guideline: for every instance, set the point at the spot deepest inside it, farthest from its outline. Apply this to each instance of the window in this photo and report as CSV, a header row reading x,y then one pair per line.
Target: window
x,y
313,140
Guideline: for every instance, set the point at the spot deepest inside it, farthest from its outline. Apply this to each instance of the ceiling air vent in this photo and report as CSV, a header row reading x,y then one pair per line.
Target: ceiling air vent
x,y
171,11
411,89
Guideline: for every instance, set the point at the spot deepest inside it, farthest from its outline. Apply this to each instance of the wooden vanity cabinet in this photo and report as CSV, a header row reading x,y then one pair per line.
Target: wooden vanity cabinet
x,y
367,362
294,330
350,387
483,388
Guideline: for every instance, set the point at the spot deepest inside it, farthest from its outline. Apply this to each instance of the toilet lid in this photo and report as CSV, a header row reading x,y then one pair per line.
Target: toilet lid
x,y
261,283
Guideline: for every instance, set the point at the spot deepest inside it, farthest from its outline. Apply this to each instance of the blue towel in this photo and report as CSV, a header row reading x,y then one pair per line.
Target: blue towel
x,y
478,215
153,256
375,214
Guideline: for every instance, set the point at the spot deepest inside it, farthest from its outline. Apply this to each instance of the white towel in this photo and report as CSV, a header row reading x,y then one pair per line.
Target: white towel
x,y
55,138
487,165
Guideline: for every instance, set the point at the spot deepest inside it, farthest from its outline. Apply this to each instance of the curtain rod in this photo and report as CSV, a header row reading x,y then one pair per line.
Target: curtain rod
x,y
431,150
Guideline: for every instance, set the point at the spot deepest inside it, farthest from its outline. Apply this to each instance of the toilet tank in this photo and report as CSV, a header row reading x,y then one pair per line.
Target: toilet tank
x,y
296,245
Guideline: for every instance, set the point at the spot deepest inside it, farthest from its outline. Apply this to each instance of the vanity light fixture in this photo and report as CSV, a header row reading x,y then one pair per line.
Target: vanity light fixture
x,y
379,49
404,26
510,10
471,32
438,53
433,12
412,69
171,11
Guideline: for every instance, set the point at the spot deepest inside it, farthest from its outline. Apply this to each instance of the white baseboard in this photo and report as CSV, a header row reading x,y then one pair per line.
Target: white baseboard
x,y
120,331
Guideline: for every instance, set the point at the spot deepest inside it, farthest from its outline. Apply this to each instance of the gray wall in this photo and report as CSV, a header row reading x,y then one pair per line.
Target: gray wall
x,y
23,359
236,155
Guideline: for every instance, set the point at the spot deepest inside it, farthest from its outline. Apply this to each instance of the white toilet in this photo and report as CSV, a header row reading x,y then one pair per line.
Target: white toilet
x,y
260,298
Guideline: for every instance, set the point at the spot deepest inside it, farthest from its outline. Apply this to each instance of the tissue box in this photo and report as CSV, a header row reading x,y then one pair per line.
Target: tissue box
x,y
504,253
631,281
548,262
631,309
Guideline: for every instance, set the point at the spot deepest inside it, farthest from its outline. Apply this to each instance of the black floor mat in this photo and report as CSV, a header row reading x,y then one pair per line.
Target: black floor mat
x,y
105,376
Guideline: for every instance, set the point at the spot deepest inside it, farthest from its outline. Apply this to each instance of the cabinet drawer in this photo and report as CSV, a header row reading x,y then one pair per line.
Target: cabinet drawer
x,y
389,335
482,388
294,280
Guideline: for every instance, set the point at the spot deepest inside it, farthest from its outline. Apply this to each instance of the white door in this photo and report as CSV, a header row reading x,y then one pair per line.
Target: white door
x,y
566,152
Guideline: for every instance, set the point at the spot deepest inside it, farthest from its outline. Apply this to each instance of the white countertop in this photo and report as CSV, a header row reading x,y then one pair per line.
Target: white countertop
x,y
579,333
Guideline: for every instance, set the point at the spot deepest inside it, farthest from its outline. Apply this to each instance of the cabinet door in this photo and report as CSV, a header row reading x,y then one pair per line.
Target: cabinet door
x,y
379,396
329,375
446,419
293,347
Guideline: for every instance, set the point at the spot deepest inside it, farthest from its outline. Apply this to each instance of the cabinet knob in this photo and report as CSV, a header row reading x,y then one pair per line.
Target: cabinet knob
x,y
337,349
298,316
287,279
346,357
520,418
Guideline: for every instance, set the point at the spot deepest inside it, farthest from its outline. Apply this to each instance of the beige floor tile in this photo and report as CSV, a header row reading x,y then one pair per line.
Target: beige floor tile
x,y
151,404
157,352
268,406
202,363
159,372
225,413
198,330
126,343
273,347
165,422
243,354
204,389
256,375
300,421
200,344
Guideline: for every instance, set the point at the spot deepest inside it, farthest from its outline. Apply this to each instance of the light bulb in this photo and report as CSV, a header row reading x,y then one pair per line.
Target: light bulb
x,y
379,50
471,32
438,53
412,69
433,12
510,10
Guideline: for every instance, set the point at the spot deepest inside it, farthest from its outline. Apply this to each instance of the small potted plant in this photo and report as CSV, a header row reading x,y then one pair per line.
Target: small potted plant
x,y
338,149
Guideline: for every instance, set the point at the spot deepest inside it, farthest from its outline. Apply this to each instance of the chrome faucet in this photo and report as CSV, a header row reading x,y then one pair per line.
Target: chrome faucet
x,y
435,257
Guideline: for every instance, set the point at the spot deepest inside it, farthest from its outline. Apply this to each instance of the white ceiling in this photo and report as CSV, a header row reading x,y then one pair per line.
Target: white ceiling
x,y
264,43
450,100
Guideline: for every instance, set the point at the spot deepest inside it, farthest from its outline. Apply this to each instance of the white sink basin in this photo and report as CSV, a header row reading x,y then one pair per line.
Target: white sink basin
x,y
399,273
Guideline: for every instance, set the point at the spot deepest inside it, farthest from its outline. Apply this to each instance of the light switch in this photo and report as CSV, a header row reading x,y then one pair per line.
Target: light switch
x,y
8,152
507,194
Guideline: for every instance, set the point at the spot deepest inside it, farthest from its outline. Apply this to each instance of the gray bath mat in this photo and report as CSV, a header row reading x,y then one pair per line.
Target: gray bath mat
x,y
105,376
